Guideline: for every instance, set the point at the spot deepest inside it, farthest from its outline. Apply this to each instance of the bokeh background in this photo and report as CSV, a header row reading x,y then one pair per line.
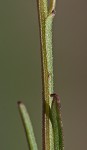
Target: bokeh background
x,y
20,70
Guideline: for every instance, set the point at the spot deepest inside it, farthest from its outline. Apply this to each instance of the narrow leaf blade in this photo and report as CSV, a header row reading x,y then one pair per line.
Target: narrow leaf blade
x,y
27,126
57,123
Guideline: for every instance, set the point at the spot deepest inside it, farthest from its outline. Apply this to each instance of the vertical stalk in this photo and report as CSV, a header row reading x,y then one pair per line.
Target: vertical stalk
x,y
52,123
45,20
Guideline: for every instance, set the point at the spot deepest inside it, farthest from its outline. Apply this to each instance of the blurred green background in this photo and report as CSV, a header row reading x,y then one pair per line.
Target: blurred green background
x,y
20,70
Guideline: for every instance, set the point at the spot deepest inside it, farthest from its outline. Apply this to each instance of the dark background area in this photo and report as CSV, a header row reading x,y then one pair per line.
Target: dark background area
x,y
20,70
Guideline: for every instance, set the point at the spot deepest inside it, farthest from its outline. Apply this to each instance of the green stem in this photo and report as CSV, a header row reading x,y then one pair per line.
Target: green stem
x,y
45,19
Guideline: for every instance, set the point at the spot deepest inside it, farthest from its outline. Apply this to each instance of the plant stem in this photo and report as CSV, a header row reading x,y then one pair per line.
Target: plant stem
x,y
45,20
51,116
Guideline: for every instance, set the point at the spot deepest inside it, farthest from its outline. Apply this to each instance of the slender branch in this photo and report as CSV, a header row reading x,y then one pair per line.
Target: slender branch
x,y
45,20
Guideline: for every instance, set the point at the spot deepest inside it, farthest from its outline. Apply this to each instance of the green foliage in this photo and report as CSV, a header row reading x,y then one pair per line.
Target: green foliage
x,y
52,125
55,116
27,126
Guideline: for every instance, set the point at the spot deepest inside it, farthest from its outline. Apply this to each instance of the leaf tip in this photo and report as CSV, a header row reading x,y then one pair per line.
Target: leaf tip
x,y
53,12
20,104
56,99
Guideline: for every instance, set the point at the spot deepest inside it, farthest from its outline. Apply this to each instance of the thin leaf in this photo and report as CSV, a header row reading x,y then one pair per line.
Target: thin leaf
x,y
27,126
57,123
